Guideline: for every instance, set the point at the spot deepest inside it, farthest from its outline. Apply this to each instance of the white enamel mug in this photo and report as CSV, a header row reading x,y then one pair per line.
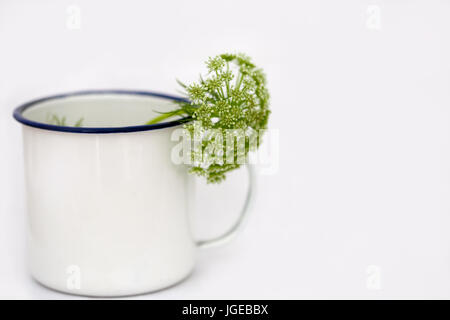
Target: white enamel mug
x,y
107,208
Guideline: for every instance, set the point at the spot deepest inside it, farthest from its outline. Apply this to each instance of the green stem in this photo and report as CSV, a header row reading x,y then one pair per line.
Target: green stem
x,y
228,82
220,90
238,83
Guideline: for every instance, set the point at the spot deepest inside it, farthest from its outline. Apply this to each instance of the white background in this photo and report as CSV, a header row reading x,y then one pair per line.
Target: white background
x,y
360,204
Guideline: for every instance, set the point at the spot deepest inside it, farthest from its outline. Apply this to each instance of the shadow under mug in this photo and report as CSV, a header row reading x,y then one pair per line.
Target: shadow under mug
x,y
107,208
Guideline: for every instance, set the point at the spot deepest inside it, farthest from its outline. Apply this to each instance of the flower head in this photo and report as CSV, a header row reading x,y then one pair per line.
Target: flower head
x,y
232,96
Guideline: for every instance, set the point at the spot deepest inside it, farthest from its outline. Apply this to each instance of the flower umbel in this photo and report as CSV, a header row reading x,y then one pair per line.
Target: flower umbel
x,y
233,95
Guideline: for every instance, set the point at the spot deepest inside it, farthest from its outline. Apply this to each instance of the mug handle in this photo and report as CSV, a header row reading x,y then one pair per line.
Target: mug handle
x,y
231,233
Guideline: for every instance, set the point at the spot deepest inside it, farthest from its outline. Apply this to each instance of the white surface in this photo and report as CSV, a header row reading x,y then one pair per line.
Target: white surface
x,y
359,207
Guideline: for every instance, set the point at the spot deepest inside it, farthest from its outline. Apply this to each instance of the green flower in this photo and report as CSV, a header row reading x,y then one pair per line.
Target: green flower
x,y
196,92
215,64
233,96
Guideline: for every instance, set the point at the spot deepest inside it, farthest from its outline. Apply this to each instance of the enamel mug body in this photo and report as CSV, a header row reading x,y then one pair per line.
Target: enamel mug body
x,y
107,208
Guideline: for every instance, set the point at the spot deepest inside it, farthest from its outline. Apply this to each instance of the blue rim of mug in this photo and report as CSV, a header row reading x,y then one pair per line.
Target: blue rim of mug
x,y
18,113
